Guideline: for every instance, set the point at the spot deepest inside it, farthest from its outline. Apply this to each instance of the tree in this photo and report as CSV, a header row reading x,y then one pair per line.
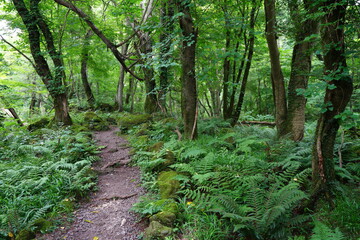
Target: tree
x,y
84,76
290,113
188,78
37,26
300,65
337,96
277,77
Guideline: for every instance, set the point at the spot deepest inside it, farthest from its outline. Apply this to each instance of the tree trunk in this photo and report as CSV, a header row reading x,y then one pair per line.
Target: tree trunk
x,y
120,87
277,78
33,22
84,77
236,113
300,67
188,80
167,13
338,93
226,79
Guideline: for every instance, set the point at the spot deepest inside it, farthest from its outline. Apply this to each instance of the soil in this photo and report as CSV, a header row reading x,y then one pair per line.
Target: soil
x,y
106,215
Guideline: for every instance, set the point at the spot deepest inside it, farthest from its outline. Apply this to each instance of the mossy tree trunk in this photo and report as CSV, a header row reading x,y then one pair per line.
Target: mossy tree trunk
x,y
84,76
300,65
277,77
167,22
337,96
35,24
188,78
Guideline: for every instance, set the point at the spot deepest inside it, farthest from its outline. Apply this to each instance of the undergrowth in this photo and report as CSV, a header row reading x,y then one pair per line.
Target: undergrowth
x,y
41,174
242,183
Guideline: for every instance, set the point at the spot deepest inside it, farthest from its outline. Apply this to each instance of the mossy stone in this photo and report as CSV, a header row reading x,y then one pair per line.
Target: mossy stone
x,y
42,225
168,185
128,121
25,235
95,122
156,147
157,231
43,122
166,218
167,205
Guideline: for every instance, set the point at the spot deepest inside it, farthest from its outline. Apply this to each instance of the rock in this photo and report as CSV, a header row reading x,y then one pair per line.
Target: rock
x,y
167,205
157,231
168,186
42,123
166,218
25,235
128,121
94,122
42,225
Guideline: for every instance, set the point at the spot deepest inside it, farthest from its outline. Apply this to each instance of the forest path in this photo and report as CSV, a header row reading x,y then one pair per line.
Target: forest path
x,y
106,215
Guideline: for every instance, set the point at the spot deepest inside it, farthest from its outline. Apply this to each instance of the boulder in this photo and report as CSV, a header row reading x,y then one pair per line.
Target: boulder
x,y
94,122
168,185
157,231
166,218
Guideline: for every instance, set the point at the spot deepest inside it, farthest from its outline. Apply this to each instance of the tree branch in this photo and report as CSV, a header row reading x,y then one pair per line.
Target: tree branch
x,y
99,33
27,58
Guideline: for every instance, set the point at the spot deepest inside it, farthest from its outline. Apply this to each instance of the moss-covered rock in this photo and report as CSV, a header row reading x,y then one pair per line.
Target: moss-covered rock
x,y
95,122
42,225
25,235
167,205
43,122
166,218
157,231
168,185
131,120
161,163
156,147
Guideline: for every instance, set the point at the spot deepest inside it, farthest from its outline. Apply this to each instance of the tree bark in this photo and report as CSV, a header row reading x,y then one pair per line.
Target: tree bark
x,y
300,67
236,113
188,79
167,13
34,23
337,96
84,77
277,78
120,87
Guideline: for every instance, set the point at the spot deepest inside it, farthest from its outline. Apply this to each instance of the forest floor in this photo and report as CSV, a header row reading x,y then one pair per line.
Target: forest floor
x,y
106,214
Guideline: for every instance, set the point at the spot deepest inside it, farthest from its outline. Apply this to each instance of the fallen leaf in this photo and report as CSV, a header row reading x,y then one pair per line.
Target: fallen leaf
x,y
96,238
88,221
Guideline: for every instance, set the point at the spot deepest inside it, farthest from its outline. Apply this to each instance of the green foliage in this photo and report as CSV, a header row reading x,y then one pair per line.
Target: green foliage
x,y
323,232
40,172
241,183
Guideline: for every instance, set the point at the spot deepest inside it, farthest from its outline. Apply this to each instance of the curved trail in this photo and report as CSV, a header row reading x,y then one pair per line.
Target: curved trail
x,y
106,215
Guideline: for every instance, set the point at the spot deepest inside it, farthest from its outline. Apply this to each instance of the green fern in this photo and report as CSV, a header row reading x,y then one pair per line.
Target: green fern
x,y
323,232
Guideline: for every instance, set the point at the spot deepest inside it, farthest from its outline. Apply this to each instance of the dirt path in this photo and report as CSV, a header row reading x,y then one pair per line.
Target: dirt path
x,y
106,216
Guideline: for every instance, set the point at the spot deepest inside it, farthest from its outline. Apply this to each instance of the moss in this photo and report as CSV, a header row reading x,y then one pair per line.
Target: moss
x,y
43,122
167,205
157,231
168,185
166,218
105,107
94,122
42,225
131,120
25,235
156,147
